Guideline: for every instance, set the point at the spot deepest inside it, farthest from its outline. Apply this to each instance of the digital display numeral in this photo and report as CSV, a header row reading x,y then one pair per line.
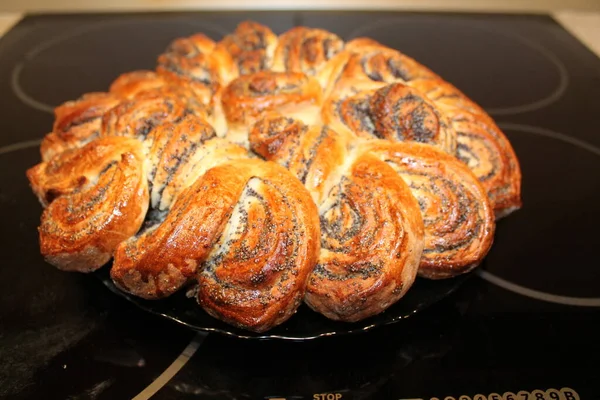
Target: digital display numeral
x,y
550,394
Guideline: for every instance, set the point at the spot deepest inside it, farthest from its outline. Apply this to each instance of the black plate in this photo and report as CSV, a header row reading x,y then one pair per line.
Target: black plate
x,y
305,325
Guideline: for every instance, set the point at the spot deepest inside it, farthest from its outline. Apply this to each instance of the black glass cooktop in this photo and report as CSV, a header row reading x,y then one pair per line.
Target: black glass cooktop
x,y
524,326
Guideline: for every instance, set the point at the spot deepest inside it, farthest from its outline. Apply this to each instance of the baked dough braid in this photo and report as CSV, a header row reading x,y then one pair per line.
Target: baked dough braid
x,y
178,154
186,64
147,83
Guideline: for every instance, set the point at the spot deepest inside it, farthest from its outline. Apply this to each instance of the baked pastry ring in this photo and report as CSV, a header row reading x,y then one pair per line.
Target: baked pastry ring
x,y
377,171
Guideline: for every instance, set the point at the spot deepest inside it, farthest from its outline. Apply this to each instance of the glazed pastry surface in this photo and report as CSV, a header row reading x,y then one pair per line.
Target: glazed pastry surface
x,y
264,170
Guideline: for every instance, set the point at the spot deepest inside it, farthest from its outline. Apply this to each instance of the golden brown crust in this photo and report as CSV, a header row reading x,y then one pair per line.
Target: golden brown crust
x,y
467,131
247,50
249,96
458,219
196,71
395,112
235,214
148,83
481,144
373,239
179,153
444,93
137,117
371,226
370,60
488,153
192,46
306,50
95,198
129,84
77,123
359,128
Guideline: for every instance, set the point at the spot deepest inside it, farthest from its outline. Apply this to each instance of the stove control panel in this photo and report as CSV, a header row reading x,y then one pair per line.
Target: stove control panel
x,y
550,394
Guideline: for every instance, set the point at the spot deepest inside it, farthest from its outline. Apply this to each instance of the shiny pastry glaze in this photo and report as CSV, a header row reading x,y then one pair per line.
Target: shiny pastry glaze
x,y
371,228
179,153
95,197
137,117
247,50
305,50
472,135
458,218
247,230
76,123
394,112
151,173
248,96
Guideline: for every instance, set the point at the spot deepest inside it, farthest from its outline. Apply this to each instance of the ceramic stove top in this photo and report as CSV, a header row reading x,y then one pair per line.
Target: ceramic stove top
x,y
524,325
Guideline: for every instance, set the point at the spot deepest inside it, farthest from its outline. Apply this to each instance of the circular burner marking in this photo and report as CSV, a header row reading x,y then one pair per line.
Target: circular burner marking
x,y
455,28
522,289
536,294
19,146
46,106
24,97
172,369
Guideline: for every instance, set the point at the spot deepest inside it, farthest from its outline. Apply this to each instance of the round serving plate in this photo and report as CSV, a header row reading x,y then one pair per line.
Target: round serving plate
x,y
304,325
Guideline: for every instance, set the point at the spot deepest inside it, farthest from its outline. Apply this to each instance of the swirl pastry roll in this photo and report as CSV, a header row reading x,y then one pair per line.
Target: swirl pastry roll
x,y
179,153
306,50
481,145
247,50
192,68
249,96
148,83
95,197
394,112
446,96
367,60
458,219
192,46
130,84
489,154
371,226
188,64
477,140
246,230
379,63
77,123
137,117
